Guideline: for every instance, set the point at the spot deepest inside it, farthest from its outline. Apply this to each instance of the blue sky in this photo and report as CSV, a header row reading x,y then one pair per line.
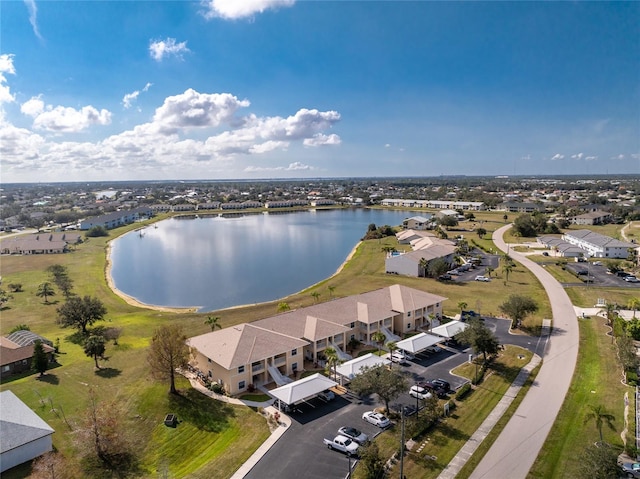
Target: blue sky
x,y
225,89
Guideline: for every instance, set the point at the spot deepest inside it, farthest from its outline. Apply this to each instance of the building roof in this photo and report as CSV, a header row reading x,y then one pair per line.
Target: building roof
x,y
11,352
25,337
350,368
19,425
450,329
419,342
597,239
304,388
243,344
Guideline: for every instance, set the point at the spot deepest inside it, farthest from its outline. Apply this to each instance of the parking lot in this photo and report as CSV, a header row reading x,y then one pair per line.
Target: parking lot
x,y
598,275
301,453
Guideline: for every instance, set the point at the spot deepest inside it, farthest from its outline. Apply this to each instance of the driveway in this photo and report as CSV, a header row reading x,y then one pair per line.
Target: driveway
x,y
516,448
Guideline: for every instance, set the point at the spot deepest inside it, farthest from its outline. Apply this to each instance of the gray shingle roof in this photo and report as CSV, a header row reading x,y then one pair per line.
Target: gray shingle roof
x,y
19,425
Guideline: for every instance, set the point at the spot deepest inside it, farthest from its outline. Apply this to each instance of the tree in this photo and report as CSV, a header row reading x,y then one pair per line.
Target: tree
x,y
380,380
599,461
52,465
392,346
633,304
517,307
611,311
45,290
462,306
15,287
282,307
505,218
65,285
332,360
81,312
448,221
96,231
213,322
61,279
488,270
371,461
601,416
94,347
507,268
20,327
423,264
315,295
480,338
481,232
331,289
436,267
39,361
378,337
627,353
168,351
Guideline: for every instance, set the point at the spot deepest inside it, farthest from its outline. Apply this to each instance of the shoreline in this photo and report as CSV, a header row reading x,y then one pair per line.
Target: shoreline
x,y
130,300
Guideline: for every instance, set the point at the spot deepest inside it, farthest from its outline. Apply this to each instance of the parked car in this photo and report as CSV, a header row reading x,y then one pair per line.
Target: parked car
x,y
419,392
582,272
631,279
433,349
405,409
356,435
376,419
445,277
398,357
631,469
438,389
597,263
545,253
467,315
484,279
453,272
621,273
442,383
342,444
327,395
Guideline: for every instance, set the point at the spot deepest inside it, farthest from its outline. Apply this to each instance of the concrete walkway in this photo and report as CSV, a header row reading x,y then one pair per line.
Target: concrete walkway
x,y
463,455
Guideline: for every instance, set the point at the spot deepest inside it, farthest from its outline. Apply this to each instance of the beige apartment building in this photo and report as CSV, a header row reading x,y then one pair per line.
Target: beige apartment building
x,y
274,348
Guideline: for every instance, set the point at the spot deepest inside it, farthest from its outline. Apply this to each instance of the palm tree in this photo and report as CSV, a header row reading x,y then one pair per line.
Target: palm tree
x,y
601,416
422,264
462,306
332,360
378,337
392,346
45,290
610,309
315,295
213,322
488,270
282,307
634,305
507,268
331,290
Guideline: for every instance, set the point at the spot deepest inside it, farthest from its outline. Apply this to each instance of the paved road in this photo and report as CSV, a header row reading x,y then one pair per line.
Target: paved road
x,y
517,447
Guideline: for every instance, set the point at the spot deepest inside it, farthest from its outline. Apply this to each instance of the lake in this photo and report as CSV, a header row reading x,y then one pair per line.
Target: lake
x,y
217,262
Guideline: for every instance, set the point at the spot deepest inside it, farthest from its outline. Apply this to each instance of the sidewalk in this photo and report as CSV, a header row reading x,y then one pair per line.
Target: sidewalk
x,y
463,455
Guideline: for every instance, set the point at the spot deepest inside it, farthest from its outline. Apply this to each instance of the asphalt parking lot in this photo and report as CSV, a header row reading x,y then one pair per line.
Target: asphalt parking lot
x,y
599,276
300,452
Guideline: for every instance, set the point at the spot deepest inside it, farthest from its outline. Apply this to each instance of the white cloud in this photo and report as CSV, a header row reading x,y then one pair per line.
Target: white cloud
x,y
6,66
234,9
269,146
196,110
130,98
557,156
33,16
618,157
295,166
161,48
577,156
63,119
320,139
591,158
387,145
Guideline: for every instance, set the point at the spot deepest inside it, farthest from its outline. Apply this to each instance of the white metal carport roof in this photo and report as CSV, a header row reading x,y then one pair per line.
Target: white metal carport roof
x,y
419,342
450,329
349,369
302,389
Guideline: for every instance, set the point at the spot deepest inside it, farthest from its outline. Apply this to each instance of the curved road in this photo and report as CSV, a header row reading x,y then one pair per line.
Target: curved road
x,y
516,448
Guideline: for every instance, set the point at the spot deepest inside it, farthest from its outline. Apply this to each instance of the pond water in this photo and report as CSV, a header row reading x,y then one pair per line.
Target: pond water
x,y
217,262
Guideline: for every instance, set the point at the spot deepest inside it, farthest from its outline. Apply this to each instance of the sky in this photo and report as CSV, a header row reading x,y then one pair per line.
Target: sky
x,y
256,89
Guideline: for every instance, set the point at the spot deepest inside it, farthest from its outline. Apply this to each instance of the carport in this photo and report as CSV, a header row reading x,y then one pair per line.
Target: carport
x,y
450,329
349,369
302,389
419,342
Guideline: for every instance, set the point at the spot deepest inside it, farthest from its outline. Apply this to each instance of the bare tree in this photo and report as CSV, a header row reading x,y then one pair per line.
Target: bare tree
x,y
168,351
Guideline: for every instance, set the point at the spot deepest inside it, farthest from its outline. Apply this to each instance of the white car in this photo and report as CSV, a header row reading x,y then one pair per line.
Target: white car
x,y
631,279
398,357
419,392
354,434
376,419
484,279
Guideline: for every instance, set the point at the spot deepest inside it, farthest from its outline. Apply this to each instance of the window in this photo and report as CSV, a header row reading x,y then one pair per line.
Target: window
x,y
409,314
408,325
353,325
6,368
241,385
210,374
209,359
294,352
294,366
240,369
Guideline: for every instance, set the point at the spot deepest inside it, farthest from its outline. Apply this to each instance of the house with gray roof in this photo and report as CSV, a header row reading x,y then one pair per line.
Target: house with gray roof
x,y
597,245
23,434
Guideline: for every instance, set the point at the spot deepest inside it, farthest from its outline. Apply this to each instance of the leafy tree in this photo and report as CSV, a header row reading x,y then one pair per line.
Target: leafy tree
x,y
97,231
168,351
4,297
481,232
332,360
65,285
599,461
505,218
380,380
371,461
39,361
480,338
517,307
94,347
213,322
45,290
112,334
627,353
57,270
436,267
378,337
20,327
488,270
81,312
633,304
282,307
600,416
448,221
15,287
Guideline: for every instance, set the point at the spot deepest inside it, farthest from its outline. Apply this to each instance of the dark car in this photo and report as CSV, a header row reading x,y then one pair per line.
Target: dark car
x,y
443,384
582,272
438,389
445,277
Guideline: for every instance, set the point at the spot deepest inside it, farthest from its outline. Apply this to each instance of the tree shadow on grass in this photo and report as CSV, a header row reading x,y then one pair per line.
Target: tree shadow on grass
x,y
203,412
447,433
49,379
108,373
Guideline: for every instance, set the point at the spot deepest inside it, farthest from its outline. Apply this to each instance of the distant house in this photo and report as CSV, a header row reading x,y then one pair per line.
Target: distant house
x,y
40,243
117,218
593,218
435,204
419,223
596,245
515,207
23,434
16,351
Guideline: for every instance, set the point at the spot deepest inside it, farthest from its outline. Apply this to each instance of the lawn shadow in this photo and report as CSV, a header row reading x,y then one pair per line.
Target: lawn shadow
x,y
108,373
203,412
49,379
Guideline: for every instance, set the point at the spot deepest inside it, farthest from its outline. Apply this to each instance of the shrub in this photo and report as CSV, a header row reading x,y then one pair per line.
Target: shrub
x,y
216,388
632,377
463,391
